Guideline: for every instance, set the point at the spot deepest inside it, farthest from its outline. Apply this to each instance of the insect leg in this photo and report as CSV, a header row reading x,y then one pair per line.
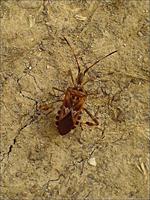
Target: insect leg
x,y
81,123
96,123
53,94
87,81
45,107
60,90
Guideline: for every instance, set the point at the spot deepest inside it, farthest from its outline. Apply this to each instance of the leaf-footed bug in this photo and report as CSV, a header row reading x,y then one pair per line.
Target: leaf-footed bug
x,y
69,114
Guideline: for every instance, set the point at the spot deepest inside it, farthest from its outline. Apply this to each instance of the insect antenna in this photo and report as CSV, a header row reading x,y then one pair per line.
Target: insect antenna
x,y
97,61
73,54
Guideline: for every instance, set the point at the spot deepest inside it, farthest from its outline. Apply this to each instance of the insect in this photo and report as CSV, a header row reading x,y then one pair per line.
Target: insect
x,y
69,114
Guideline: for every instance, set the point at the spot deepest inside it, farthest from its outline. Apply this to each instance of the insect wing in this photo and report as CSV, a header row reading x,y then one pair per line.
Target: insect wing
x,y
65,124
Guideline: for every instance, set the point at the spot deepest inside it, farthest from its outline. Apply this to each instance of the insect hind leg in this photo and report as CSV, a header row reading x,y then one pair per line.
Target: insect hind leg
x,y
94,118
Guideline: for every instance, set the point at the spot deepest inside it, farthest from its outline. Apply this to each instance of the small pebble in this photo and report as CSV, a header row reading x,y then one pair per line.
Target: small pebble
x,y
92,162
80,17
140,34
48,66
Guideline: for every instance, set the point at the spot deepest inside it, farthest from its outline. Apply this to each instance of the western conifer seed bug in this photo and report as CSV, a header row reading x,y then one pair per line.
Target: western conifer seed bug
x,y
70,112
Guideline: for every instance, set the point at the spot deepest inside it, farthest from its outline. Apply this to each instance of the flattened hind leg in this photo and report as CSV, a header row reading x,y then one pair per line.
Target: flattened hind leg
x,y
94,119
94,123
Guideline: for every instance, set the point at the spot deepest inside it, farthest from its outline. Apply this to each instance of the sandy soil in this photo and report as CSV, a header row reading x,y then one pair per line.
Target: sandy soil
x,y
109,161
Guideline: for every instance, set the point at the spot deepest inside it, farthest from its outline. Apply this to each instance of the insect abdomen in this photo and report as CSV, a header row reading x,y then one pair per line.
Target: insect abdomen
x,y
66,124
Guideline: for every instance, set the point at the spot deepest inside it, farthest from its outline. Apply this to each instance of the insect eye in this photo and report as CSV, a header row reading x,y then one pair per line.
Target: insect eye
x,y
58,112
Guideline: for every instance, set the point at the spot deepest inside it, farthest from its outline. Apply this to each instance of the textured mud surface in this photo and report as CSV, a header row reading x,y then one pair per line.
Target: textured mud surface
x,y
105,162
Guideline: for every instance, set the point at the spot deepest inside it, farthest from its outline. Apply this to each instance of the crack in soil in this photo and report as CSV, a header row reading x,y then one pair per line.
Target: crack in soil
x,y
14,141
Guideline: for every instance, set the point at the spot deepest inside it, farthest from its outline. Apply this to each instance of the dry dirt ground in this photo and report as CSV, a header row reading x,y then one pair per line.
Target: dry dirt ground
x,y
109,161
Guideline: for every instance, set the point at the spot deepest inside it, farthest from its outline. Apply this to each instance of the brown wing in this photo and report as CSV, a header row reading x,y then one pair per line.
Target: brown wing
x,y
65,124
70,112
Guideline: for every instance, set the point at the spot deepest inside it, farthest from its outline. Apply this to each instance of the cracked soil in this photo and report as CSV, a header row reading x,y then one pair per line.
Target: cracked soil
x,y
109,161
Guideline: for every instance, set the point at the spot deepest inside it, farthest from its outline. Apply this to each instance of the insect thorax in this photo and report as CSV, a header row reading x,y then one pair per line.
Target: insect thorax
x,y
74,98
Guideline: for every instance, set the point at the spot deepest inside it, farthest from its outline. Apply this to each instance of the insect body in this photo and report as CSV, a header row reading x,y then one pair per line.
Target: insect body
x,y
70,112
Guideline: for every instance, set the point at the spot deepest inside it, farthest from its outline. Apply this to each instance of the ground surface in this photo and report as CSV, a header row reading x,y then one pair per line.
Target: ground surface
x,y
36,162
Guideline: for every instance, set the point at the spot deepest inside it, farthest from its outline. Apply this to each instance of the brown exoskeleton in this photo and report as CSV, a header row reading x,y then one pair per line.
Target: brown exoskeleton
x,y
70,112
